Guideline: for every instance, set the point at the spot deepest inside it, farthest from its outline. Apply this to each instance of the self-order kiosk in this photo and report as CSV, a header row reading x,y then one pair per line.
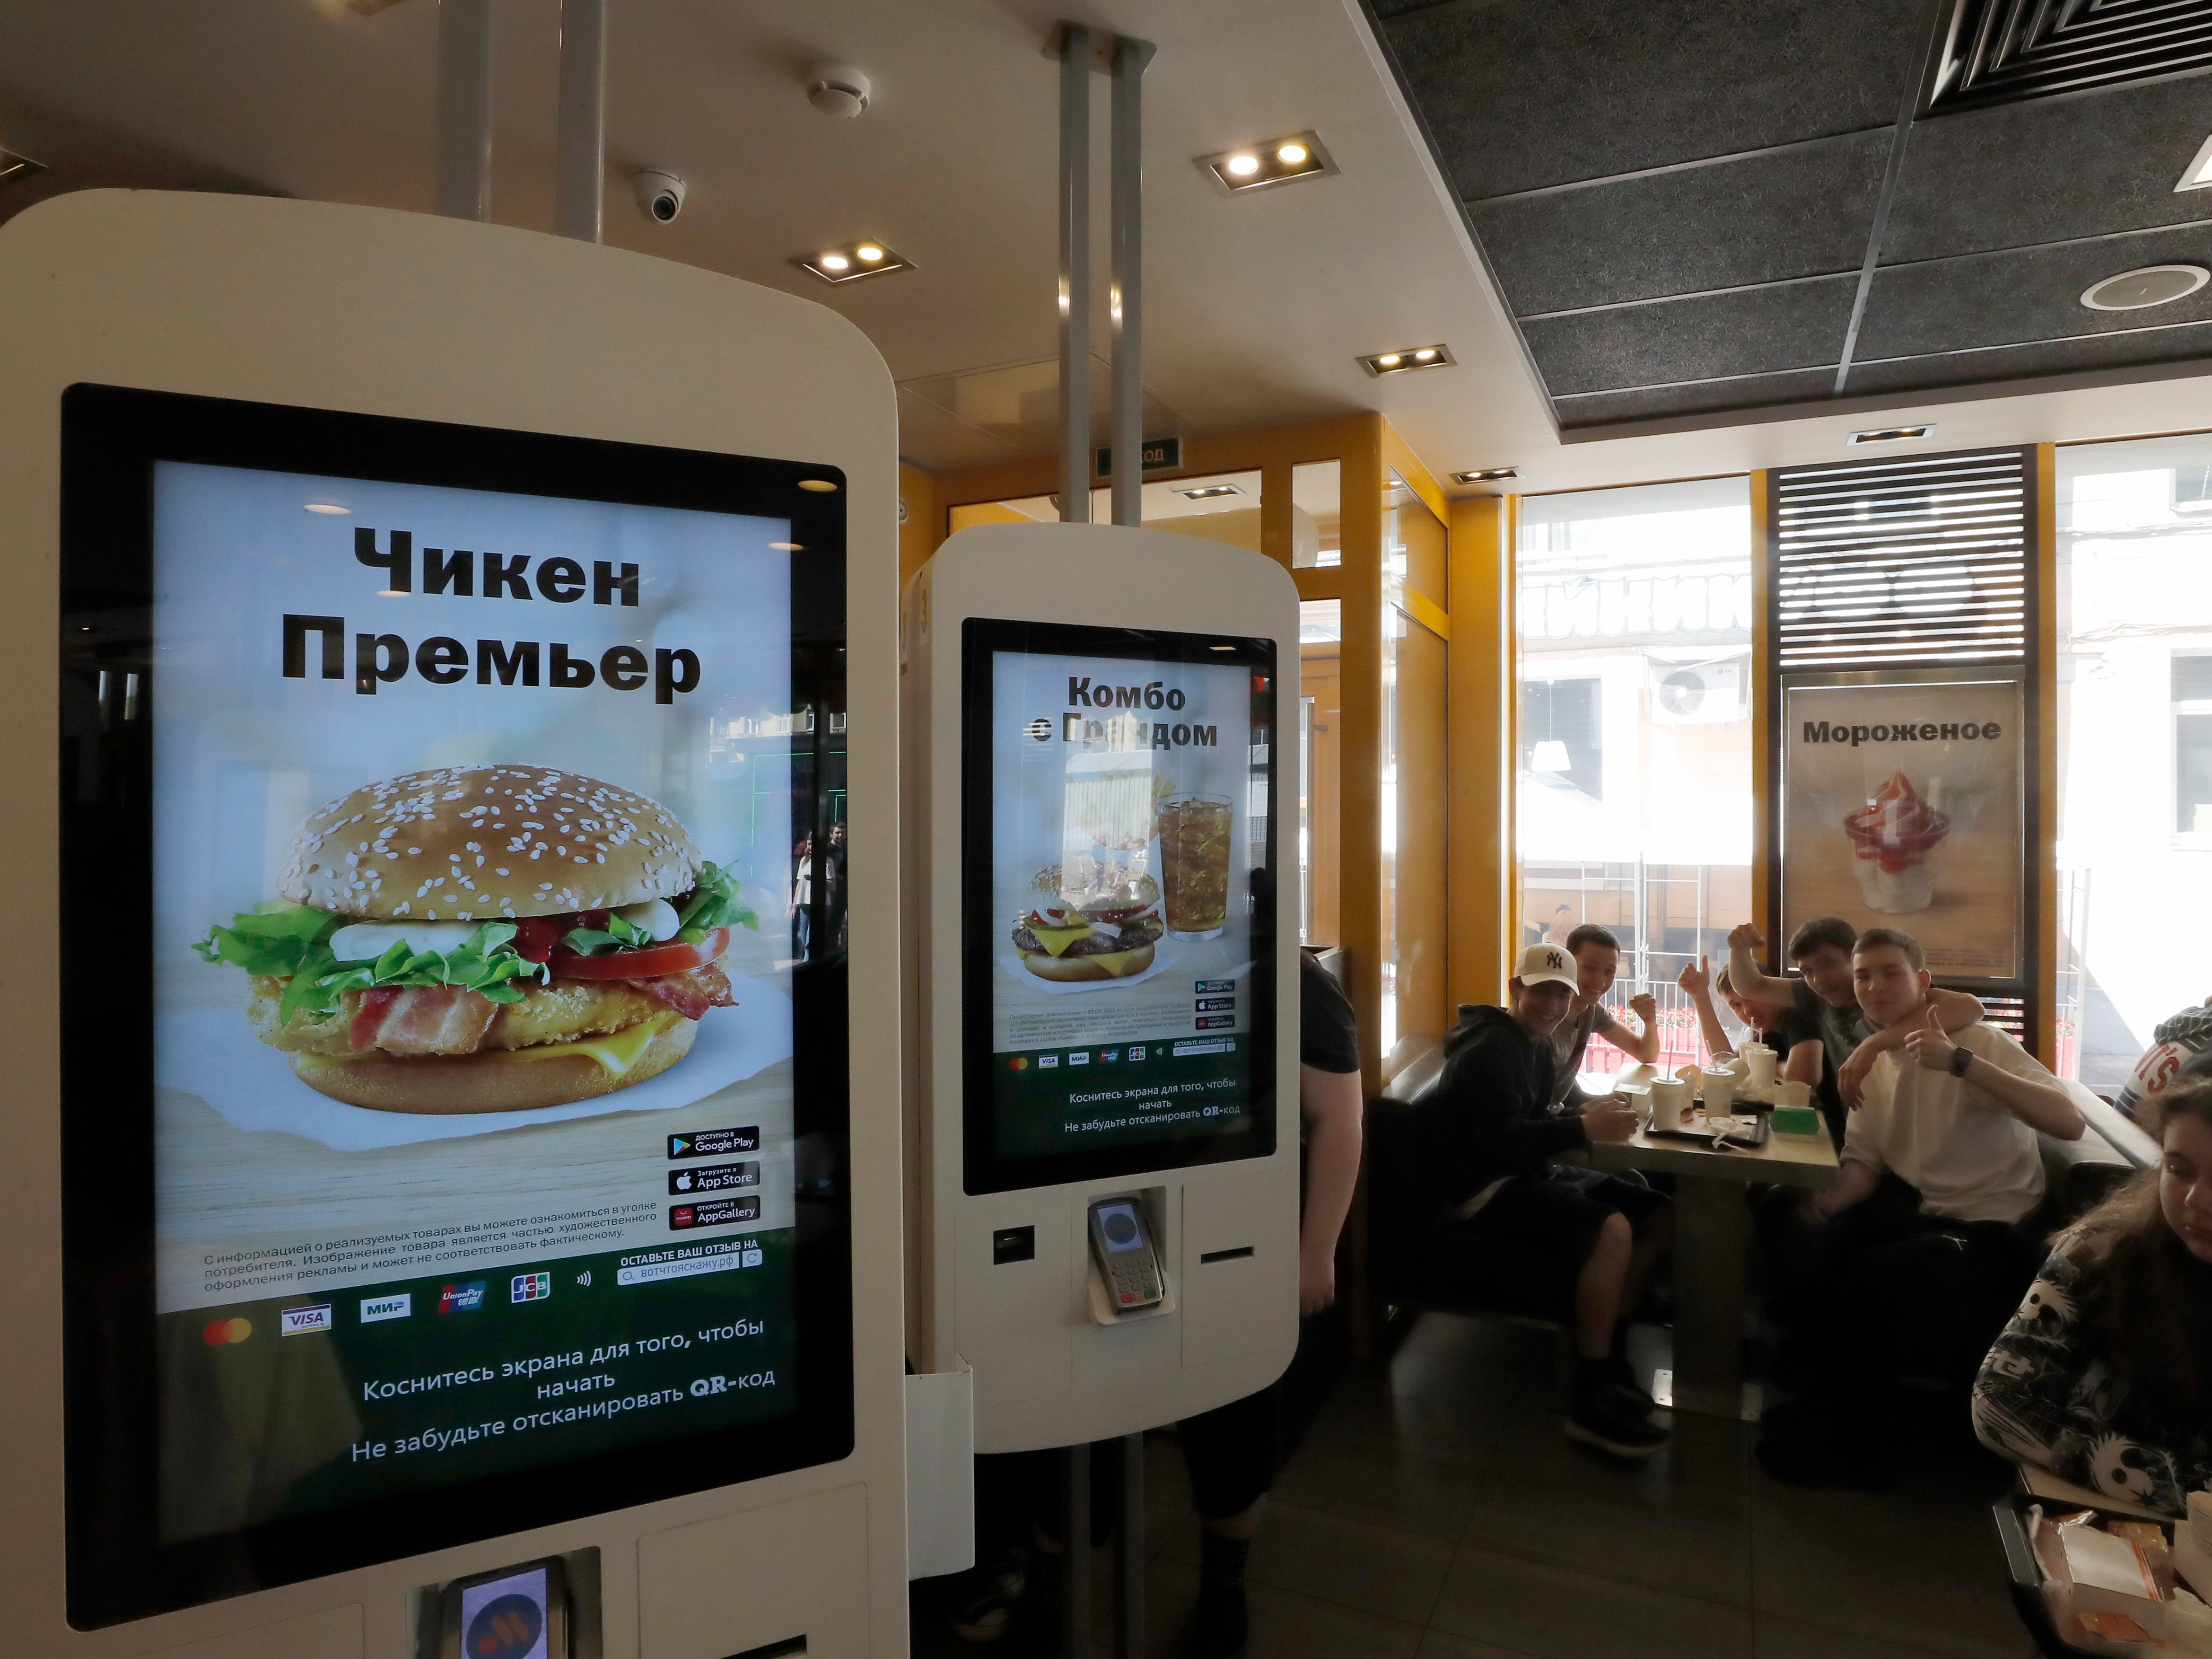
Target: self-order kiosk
x,y
1102,1154
452,714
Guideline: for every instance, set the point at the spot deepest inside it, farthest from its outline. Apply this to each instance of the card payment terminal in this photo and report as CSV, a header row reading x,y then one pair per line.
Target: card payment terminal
x,y
1127,1259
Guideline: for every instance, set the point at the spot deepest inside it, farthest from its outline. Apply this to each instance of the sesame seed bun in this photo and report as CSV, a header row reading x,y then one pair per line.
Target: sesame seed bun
x,y
495,1081
487,843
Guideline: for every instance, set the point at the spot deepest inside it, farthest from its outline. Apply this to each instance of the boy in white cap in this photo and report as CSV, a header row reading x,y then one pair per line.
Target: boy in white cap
x,y
1509,1228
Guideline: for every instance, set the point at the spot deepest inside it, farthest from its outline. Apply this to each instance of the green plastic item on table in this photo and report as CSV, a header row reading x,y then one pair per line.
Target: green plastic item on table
x,y
1794,1120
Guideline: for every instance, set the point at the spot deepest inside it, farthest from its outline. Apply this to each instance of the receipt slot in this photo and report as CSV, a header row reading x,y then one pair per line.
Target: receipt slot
x,y
452,678
1103,1159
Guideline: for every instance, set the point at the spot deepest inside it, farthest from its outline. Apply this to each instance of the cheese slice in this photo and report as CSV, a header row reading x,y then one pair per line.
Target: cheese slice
x,y
1114,962
617,1051
1057,940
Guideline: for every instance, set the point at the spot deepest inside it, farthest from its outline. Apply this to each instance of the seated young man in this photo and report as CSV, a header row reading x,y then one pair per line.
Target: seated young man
x,y
2175,1043
1824,1003
1782,1030
1925,1253
1597,962
1514,1231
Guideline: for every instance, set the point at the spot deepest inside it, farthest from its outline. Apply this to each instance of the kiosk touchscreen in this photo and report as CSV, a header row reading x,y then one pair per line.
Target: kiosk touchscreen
x,y
1106,1190
457,1136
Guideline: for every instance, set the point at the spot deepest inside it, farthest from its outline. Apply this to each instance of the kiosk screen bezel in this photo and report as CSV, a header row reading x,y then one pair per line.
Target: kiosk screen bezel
x,y
985,1168
113,439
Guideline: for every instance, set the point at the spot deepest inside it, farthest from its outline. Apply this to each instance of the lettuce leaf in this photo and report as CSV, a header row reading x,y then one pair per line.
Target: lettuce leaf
x,y
292,944
714,903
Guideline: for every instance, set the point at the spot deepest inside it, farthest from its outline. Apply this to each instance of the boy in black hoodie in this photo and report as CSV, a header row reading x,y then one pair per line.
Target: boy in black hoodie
x,y
1517,1232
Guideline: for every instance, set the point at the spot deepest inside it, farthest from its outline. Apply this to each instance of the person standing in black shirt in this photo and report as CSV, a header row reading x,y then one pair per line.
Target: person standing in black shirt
x,y
1234,1451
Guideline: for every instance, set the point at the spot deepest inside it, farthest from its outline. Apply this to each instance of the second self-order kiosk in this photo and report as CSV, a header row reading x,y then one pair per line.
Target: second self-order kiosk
x,y
1103,1162
450,676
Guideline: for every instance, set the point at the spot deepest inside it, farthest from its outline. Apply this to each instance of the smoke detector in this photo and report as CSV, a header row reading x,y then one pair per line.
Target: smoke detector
x,y
837,90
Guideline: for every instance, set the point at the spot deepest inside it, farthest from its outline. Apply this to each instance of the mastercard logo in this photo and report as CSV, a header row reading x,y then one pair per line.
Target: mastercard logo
x,y
218,1332
1018,1063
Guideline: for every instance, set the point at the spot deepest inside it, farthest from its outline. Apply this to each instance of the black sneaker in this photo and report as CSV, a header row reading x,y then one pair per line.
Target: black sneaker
x,y
1223,1618
1604,1417
1622,1375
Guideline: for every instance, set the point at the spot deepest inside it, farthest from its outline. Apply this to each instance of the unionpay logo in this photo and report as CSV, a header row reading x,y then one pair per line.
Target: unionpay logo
x,y
298,1321
461,1298
374,1309
530,1287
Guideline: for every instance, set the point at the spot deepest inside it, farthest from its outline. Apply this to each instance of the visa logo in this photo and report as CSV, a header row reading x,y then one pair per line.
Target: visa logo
x,y
376,1308
461,1298
297,1322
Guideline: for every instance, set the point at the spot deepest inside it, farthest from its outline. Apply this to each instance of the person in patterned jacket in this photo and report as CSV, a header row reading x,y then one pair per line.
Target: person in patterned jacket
x,y
2103,1375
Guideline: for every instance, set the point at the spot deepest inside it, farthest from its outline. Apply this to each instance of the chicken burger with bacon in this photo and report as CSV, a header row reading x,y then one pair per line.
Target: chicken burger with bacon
x,y
485,938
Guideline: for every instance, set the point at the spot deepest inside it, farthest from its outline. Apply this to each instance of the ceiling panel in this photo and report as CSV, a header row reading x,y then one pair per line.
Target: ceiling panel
x,y
1750,391
1798,212
1755,331
2025,294
2042,172
1521,93
2150,345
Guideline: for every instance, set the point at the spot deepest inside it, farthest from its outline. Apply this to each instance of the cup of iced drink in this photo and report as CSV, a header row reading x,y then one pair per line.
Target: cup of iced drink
x,y
1194,832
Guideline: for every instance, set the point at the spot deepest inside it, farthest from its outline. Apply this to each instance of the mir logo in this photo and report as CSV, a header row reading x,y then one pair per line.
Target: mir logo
x,y
530,1287
376,1309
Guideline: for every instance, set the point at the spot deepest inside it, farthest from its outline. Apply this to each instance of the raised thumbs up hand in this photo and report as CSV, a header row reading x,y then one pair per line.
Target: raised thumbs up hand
x,y
1930,1044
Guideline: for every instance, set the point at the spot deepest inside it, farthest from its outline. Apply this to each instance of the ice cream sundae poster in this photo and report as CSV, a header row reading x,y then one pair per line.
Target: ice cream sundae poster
x,y
1902,808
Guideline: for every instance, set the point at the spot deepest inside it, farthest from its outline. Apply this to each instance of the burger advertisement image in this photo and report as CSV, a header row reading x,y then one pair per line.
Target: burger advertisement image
x,y
1128,820
483,828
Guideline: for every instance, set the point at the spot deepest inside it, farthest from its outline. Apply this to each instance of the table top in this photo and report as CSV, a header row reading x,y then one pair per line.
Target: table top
x,y
1785,1160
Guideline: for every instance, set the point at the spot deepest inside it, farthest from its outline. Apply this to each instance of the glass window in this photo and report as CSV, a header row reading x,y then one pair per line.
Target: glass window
x,y
1321,681
1413,1011
1316,514
1634,790
2135,742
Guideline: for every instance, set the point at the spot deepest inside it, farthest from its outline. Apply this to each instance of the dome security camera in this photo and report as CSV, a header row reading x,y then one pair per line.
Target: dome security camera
x,y
837,90
659,196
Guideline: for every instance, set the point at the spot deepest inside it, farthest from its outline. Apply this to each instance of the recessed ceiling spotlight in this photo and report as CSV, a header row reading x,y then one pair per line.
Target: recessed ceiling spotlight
x,y
1890,434
2197,175
1407,358
2152,285
1487,475
1277,161
15,168
1207,492
852,261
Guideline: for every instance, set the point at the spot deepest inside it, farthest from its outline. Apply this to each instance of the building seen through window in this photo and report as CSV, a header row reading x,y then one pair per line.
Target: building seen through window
x,y
1634,800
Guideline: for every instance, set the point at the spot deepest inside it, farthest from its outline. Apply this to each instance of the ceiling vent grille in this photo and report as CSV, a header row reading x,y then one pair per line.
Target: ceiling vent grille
x,y
1916,562
2006,51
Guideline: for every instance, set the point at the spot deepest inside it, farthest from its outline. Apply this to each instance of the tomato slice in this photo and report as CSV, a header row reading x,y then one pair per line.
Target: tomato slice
x,y
647,961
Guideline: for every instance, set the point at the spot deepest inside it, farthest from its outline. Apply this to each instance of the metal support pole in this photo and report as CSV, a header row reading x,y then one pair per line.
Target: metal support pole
x,y
465,109
581,148
1129,1620
1075,274
1077,1561
1128,172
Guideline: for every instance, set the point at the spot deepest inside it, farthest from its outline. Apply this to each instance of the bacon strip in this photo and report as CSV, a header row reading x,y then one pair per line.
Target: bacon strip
x,y
692,993
423,1019
368,1016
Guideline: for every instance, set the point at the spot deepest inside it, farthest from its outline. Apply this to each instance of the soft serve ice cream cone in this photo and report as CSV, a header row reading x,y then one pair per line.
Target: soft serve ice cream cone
x,y
1893,839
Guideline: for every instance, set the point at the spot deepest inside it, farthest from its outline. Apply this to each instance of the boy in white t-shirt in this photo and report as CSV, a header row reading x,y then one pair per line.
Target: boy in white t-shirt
x,y
1928,1255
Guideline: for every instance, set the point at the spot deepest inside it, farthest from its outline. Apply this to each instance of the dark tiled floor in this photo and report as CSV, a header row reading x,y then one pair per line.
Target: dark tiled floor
x,y
1437,1512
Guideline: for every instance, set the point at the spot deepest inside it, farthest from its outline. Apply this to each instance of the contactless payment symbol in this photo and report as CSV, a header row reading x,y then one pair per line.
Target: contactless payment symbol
x,y
530,1287
505,1628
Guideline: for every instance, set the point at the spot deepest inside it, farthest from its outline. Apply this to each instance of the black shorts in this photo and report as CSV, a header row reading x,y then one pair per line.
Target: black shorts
x,y
1522,1251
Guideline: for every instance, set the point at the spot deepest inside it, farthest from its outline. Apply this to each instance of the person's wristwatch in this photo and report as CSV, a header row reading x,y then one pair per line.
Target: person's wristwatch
x,y
1962,1058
